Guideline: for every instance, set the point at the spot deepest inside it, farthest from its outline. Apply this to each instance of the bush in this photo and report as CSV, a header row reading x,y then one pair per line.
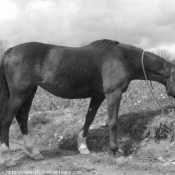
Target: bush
x,y
39,119
161,127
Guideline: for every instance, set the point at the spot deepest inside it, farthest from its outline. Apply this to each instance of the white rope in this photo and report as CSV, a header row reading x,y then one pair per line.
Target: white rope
x,y
163,108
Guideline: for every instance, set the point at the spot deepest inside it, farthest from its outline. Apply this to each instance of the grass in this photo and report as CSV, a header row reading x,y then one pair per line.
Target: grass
x,y
161,127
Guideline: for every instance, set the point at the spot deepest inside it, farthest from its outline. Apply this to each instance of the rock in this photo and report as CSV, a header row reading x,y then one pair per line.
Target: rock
x,y
121,159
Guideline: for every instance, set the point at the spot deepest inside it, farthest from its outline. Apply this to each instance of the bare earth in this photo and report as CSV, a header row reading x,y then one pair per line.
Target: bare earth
x,y
71,162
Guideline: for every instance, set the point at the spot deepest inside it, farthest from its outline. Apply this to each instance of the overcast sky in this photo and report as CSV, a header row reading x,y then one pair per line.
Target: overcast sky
x,y
144,23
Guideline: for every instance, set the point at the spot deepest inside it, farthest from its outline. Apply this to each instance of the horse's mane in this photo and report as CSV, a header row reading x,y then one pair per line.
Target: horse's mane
x,y
108,44
104,43
132,47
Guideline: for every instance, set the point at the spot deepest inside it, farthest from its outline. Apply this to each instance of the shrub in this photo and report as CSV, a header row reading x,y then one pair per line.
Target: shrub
x,y
39,119
161,127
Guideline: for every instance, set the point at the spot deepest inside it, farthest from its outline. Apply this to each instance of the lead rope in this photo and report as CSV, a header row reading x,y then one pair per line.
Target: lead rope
x,y
163,108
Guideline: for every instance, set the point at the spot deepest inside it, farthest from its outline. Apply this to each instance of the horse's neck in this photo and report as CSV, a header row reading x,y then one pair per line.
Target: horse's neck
x,y
156,68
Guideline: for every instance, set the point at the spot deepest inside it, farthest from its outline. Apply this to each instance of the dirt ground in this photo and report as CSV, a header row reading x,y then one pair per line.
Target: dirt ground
x,y
71,162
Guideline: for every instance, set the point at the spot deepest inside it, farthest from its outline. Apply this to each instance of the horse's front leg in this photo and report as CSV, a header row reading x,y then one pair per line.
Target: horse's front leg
x,y
95,102
113,102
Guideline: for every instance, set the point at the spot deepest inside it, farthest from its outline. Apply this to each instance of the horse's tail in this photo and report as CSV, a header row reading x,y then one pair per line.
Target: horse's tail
x,y
4,91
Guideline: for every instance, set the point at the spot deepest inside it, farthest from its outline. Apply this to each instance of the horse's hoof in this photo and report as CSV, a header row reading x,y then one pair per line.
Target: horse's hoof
x,y
84,151
38,157
9,163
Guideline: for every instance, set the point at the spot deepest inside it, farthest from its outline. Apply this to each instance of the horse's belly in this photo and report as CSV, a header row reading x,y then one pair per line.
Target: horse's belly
x,y
69,83
66,91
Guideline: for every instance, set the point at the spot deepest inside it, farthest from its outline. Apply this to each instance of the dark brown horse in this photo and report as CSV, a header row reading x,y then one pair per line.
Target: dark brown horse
x,y
102,69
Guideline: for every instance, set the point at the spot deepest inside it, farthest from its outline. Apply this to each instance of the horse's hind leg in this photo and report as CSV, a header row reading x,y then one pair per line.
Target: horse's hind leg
x,y
93,107
14,103
22,118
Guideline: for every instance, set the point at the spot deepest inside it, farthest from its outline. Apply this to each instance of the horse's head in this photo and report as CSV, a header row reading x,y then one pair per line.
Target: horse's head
x,y
170,86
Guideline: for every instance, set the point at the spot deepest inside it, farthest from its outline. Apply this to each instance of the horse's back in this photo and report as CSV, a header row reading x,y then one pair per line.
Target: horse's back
x,y
73,71
64,71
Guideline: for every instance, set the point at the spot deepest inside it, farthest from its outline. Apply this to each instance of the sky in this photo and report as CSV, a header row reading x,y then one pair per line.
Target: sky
x,y
143,23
